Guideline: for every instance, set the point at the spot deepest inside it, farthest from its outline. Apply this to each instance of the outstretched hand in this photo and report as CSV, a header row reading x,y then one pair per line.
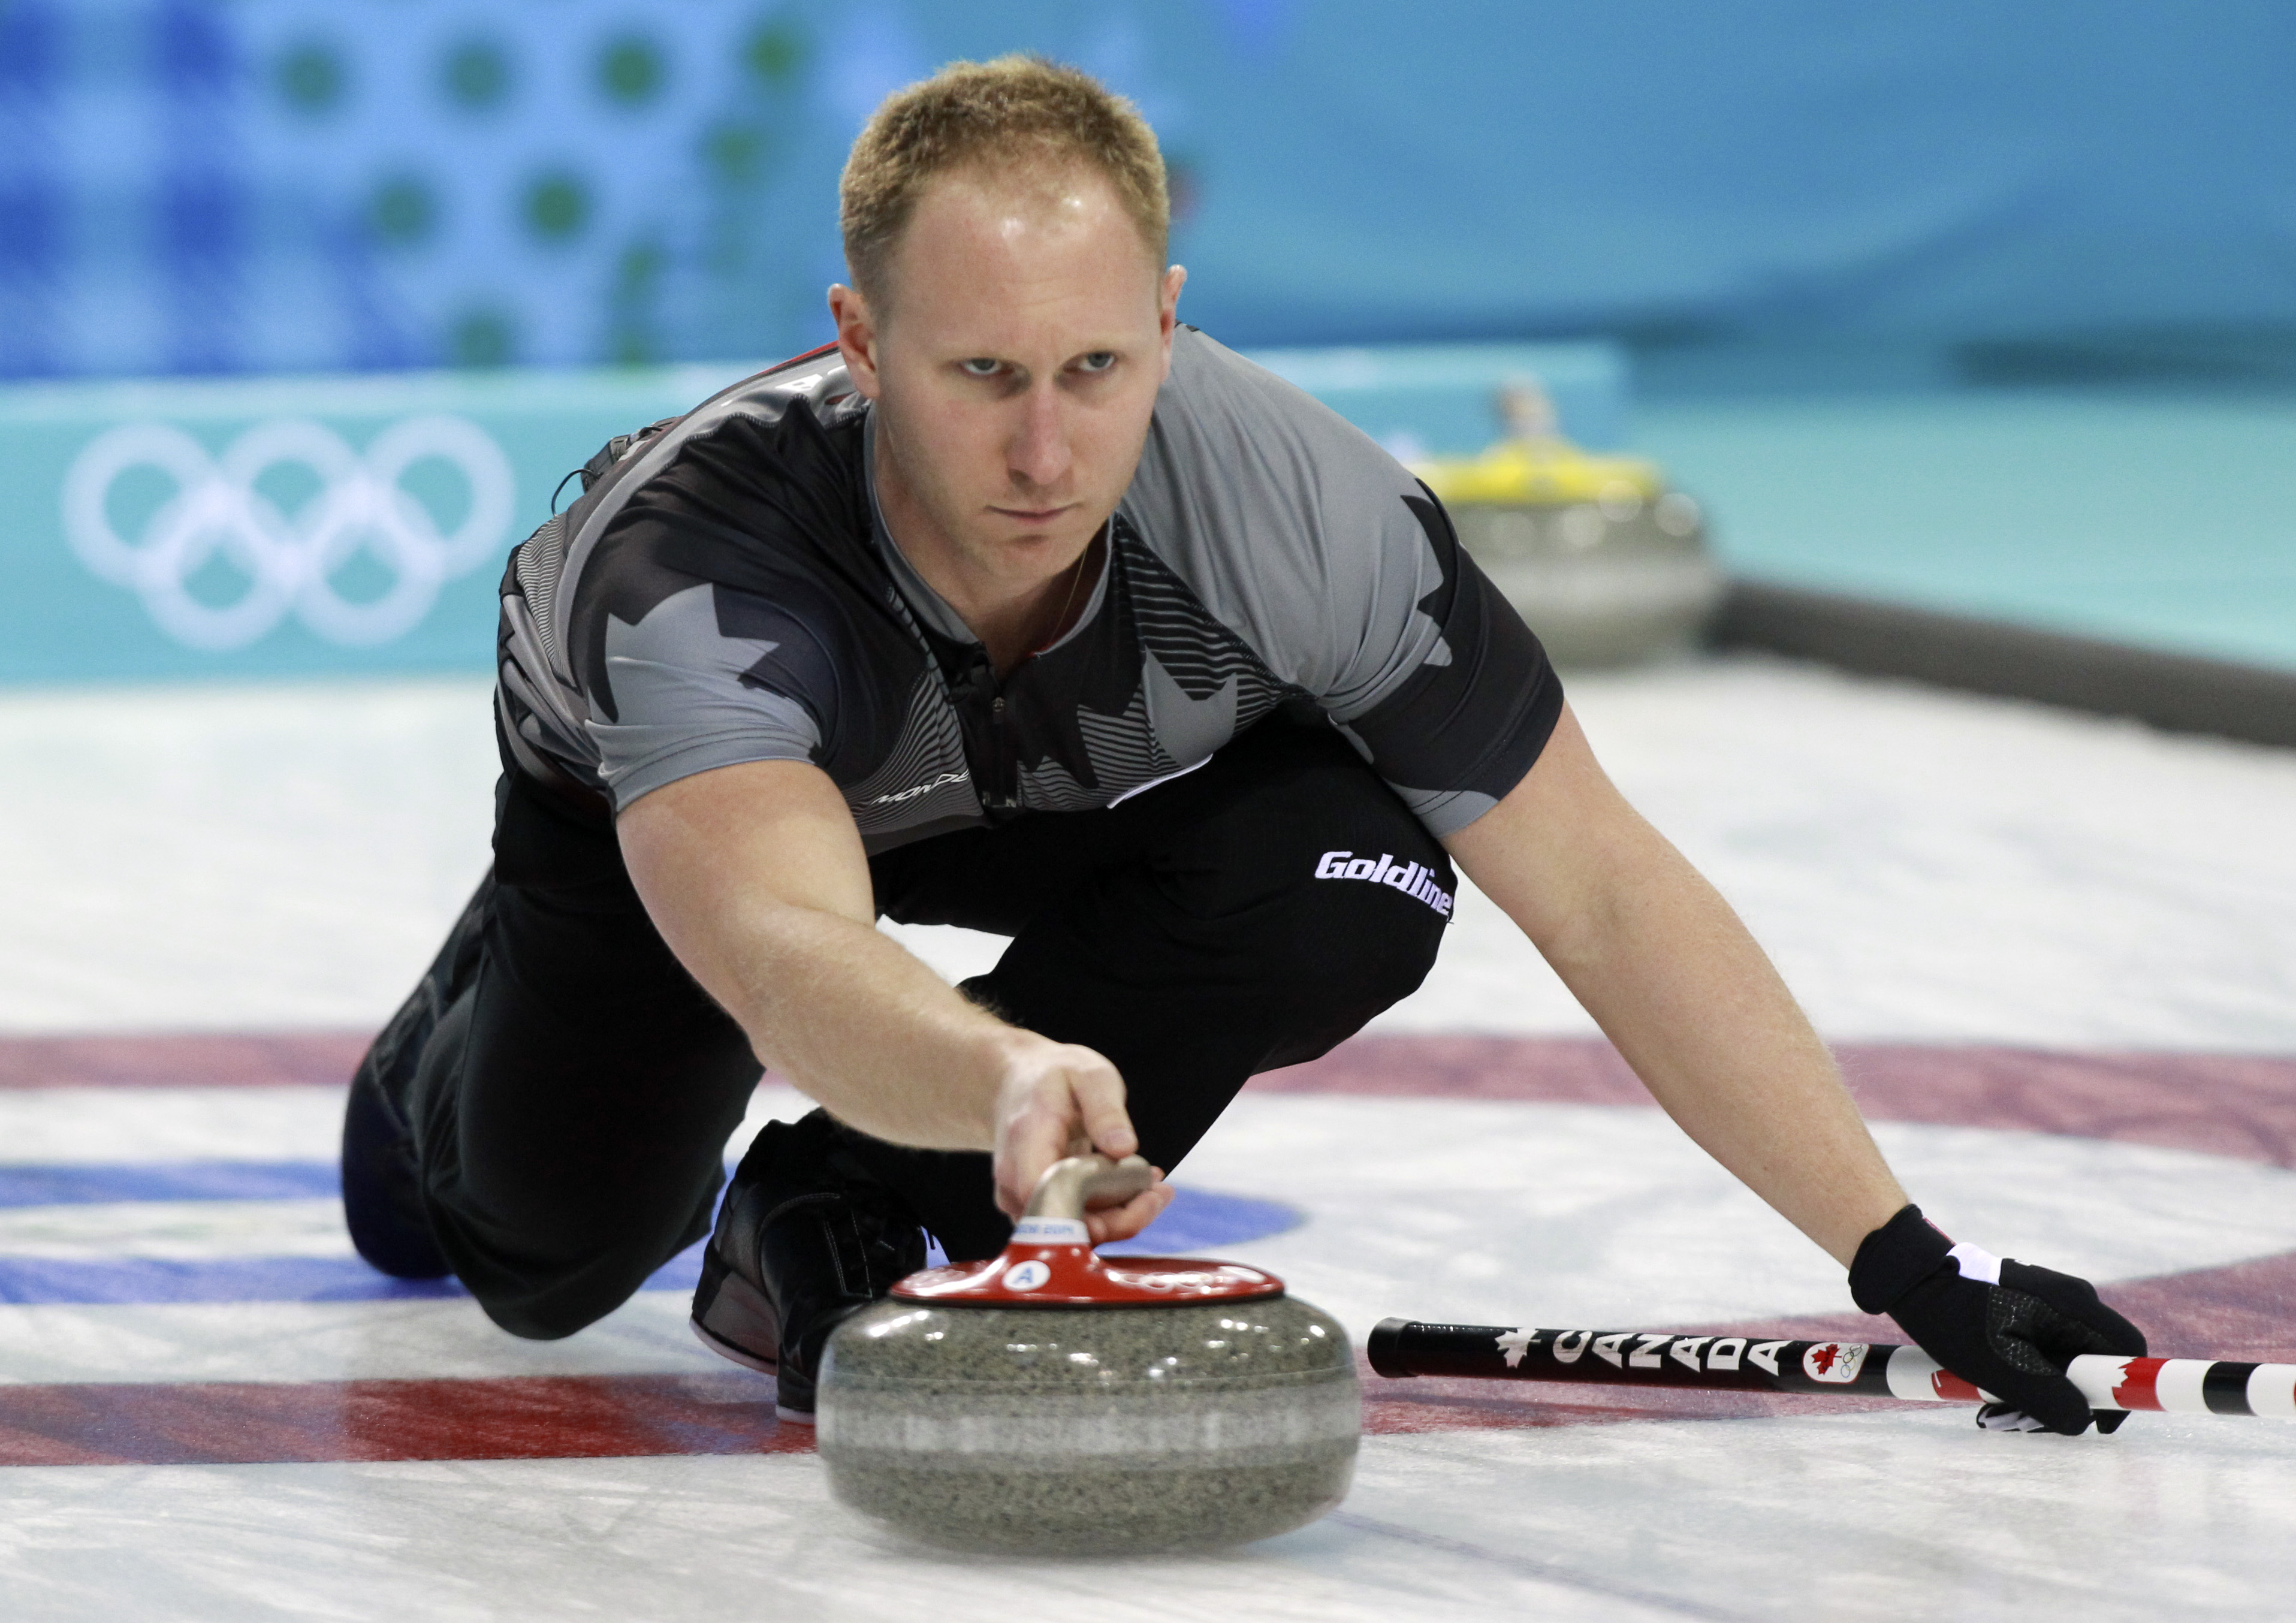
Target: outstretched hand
x,y
2007,1327
1058,1100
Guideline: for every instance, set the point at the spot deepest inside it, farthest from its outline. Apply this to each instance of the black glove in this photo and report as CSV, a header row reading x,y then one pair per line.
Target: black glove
x,y
2007,1327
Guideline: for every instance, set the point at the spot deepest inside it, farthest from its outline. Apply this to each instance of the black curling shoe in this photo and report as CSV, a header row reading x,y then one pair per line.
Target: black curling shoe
x,y
804,1238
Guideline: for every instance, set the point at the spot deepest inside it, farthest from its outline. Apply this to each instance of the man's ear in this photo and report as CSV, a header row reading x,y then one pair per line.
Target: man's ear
x,y
856,337
1168,298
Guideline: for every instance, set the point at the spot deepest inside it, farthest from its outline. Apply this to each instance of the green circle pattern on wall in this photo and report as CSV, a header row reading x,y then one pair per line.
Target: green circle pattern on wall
x,y
482,338
735,151
632,72
468,219
477,75
404,211
312,77
775,53
557,205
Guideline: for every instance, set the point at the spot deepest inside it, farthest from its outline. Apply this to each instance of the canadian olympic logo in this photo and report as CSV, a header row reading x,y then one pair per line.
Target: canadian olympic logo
x,y
288,559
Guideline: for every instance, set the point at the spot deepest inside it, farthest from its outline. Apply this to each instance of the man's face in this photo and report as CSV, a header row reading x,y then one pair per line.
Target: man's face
x,y
1014,357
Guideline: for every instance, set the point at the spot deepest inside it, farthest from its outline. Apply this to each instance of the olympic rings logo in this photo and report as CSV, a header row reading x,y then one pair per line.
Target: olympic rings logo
x,y
288,559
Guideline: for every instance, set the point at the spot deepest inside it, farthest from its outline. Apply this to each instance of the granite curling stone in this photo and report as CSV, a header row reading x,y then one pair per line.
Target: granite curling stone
x,y
1052,1402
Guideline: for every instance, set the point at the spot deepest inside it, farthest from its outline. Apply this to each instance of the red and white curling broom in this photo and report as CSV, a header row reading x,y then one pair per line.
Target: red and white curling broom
x,y
1731,1363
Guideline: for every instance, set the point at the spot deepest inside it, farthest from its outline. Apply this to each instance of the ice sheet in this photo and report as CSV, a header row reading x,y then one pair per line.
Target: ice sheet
x,y
1589,1214
1910,1517
368,1341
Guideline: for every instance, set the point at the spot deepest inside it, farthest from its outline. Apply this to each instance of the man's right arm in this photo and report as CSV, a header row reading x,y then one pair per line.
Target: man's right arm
x,y
757,878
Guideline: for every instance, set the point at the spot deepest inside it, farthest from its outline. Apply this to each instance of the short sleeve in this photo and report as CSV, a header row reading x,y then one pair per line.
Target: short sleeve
x,y
1463,722
1343,574
709,678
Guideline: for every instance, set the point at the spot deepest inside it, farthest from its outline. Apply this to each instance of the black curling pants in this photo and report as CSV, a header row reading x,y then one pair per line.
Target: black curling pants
x,y
571,1107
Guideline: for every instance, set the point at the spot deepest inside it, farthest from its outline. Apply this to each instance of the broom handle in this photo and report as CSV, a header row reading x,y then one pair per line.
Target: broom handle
x,y
1759,1363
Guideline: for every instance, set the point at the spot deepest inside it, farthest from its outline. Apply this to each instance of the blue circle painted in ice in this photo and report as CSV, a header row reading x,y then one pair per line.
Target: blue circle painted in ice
x,y
1198,1219
1201,1218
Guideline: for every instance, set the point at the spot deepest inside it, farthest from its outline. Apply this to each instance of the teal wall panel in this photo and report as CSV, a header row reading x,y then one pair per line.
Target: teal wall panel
x,y
170,529
298,526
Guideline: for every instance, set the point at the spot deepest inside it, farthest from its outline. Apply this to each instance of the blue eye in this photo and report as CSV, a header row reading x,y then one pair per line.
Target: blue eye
x,y
1099,360
981,366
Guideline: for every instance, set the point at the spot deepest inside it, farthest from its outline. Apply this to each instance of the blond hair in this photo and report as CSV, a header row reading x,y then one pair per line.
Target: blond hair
x,y
1018,114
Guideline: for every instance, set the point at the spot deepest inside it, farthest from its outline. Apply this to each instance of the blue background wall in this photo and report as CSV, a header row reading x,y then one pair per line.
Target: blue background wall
x,y
187,186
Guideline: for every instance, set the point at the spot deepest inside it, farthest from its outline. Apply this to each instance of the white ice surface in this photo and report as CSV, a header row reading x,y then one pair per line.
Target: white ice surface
x,y
1939,867
96,1125
1608,1216
175,1230
1922,864
433,1339
1911,1516
234,857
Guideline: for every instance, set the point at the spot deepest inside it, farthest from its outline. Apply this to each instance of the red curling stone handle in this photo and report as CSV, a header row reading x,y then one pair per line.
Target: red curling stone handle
x,y
1404,1348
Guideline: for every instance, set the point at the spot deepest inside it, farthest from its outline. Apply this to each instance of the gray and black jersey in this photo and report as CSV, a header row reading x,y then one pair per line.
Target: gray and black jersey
x,y
724,590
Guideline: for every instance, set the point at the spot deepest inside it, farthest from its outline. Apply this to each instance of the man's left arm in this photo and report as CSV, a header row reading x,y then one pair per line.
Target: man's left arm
x,y
1680,987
